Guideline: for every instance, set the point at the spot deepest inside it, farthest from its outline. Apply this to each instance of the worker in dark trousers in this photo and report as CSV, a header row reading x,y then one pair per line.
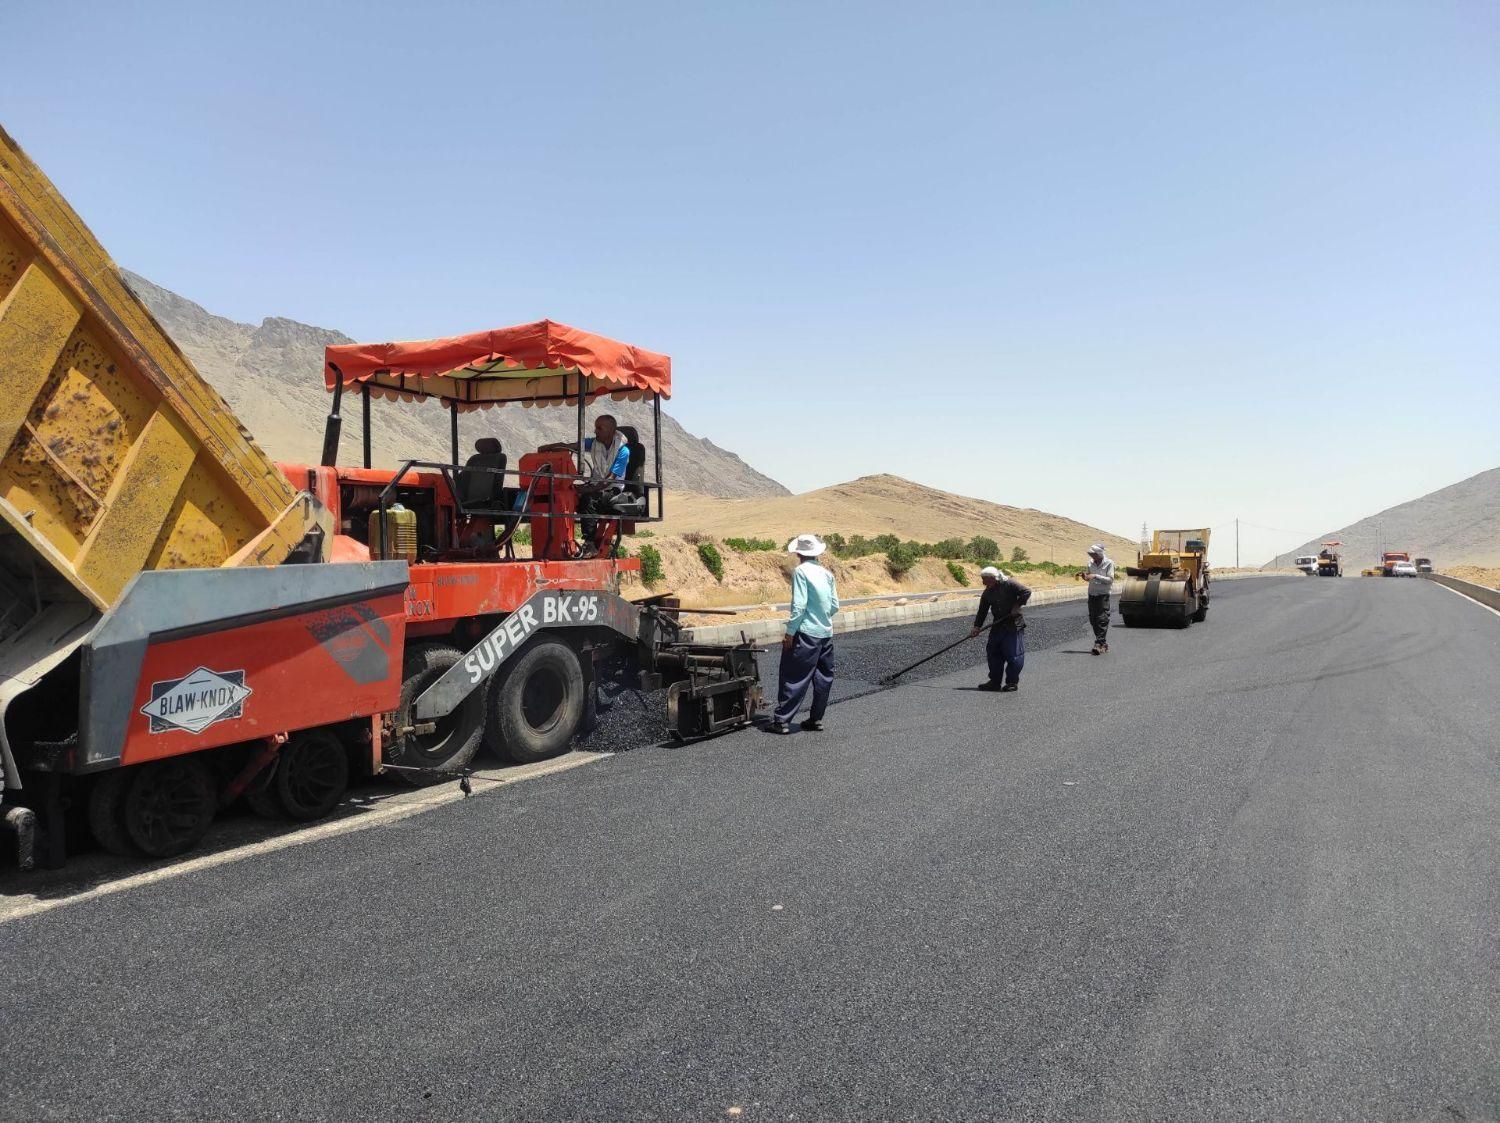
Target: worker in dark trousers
x,y
1003,597
1101,578
807,647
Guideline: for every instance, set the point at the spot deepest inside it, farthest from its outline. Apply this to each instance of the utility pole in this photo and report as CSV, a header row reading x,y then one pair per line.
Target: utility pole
x,y
1236,543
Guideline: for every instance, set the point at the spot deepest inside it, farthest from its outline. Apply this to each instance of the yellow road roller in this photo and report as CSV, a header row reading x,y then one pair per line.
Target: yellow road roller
x,y
1168,586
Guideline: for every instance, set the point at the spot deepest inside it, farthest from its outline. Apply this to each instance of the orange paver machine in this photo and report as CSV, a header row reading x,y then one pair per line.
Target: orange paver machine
x,y
184,623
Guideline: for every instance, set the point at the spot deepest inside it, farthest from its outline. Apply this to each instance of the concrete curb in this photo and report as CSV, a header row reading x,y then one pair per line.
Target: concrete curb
x,y
955,605
1486,596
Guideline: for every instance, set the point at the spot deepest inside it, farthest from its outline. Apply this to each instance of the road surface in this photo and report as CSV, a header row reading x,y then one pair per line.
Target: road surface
x,y
1245,871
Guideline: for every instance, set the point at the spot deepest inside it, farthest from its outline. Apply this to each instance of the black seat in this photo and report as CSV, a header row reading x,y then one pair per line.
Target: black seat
x,y
481,492
632,498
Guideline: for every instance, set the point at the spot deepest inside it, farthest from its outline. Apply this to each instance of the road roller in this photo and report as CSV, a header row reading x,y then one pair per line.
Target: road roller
x,y
1168,585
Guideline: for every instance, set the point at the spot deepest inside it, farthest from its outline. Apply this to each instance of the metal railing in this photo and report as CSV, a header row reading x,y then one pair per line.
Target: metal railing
x,y
525,510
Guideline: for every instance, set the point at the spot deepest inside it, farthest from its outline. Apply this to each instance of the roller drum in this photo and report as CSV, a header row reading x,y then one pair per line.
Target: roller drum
x,y
1156,599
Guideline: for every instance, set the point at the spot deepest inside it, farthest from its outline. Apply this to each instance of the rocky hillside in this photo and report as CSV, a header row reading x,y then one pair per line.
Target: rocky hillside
x,y
875,505
271,375
1457,525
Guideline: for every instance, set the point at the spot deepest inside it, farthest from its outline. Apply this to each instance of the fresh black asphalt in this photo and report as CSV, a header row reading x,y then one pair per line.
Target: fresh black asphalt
x,y
1245,871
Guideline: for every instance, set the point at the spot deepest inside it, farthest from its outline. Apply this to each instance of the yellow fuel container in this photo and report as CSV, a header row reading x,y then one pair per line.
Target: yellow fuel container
x,y
399,543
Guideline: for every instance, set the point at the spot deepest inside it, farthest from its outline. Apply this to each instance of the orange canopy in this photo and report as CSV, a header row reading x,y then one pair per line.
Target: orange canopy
x,y
535,364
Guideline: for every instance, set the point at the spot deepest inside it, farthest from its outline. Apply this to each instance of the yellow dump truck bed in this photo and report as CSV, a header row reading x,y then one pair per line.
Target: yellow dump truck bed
x,y
118,456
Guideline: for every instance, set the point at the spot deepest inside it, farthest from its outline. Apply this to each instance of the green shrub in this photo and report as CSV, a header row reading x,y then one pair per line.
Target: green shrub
x,y
750,545
712,560
837,544
899,558
651,571
983,550
958,573
1018,555
645,534
522,536
694,538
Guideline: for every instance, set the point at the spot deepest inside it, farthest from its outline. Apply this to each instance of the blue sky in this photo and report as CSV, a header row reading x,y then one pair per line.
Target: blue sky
x,y
1167,263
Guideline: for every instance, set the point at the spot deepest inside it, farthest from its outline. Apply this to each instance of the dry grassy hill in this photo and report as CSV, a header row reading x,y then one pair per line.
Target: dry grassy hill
x,y
874,505
1455,525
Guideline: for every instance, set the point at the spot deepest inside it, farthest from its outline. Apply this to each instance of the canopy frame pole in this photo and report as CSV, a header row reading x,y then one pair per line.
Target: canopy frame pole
x,y
582,383
661,494
334,426
364,406
453,427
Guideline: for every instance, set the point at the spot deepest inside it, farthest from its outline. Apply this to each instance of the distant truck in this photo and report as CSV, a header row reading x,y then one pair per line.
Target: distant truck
x,y
1424,565
1308,564
1391,558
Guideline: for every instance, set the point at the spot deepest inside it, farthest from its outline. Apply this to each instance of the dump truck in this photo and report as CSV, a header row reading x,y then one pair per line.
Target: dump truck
x,y
1168,585
1424,565
184,622
1389,559
1330,563
1307,563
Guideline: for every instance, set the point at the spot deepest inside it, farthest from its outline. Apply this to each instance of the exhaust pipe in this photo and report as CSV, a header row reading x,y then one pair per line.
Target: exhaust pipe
x,y
22,820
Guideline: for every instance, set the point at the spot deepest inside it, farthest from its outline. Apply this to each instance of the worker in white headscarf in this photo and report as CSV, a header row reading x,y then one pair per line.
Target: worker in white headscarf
x,y
1101,578
1003,596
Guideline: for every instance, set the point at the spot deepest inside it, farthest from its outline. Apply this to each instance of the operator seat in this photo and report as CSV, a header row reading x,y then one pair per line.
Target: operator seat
x,y
632,498
481,492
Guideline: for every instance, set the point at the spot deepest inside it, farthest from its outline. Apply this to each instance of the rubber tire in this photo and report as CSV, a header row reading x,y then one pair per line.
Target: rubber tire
x,y
265,803
1130,621
422,667
195,788
1201,615
313,748
511,733
106,823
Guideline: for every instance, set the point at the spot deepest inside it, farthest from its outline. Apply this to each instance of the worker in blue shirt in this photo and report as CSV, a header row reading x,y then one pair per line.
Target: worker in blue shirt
x,y
606,459
807,647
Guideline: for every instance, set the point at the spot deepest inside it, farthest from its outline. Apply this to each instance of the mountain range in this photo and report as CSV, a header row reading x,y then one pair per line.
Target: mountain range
x,y
271,374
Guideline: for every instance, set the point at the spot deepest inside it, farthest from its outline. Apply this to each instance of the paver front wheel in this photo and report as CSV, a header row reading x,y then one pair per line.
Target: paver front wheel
x,y
106,822
312,775
169,805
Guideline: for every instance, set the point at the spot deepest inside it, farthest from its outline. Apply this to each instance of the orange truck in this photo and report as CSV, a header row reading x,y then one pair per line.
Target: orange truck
x,y
1389,559
184,623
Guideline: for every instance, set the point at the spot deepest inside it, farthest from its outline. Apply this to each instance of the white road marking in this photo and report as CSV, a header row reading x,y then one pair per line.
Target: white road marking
x,y
1466,597
22,905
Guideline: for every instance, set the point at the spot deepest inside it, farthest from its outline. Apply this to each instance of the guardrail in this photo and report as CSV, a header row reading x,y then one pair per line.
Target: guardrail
x,y
1482,593
945,604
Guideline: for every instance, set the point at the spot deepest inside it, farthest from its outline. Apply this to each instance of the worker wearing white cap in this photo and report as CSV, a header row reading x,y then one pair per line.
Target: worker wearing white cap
x,y
1006,648
807,647
1101,578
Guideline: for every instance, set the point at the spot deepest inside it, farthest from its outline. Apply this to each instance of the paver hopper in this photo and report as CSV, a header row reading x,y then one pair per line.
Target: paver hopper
x,y
1168,586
